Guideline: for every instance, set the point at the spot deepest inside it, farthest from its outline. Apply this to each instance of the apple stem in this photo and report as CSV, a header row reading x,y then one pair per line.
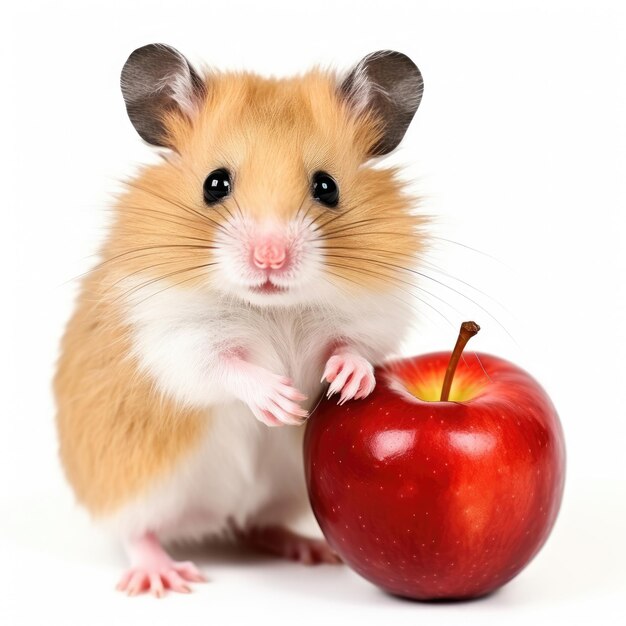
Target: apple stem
x,y
468,330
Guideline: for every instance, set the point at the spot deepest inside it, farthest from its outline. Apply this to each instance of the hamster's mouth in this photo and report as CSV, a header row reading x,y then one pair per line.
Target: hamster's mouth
x,y
268,288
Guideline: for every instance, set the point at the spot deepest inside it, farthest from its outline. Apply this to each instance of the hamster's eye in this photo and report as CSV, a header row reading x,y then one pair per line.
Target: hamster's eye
x,y
216,186
325,189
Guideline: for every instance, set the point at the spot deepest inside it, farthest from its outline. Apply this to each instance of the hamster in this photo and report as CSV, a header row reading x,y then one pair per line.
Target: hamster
x,y
263,254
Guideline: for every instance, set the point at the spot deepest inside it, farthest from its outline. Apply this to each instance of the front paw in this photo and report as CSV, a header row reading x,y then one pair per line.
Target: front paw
x,y
351,374
274,400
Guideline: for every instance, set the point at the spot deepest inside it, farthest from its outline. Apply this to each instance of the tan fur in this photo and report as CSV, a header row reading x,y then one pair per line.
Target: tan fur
x,y
117,432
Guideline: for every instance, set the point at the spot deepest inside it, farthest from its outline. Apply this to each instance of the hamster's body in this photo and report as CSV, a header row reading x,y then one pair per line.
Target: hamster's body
x,y
169,377
191,479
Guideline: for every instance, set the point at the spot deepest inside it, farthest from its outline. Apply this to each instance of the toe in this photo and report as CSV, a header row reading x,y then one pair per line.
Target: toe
x,y
283,417
340,380
332,367
175,582
313,552
305,554
361,386
328,556
265,417
190,572
156,585
279,417
292,393
366,387
288,406
137,583
122,585
323,554
350,388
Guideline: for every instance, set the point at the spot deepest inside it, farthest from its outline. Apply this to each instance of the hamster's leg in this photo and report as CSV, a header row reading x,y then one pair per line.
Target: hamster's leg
x,y
153,570
350,373
287,544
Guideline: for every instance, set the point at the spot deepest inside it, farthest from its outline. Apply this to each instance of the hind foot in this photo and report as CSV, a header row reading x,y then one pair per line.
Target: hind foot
x,y
289,545
153,570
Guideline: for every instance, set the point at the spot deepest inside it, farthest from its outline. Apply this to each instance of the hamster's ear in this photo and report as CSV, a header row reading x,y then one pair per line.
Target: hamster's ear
x,y
390,85
157,79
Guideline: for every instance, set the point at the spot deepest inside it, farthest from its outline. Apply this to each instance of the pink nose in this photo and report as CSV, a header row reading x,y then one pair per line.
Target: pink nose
x,y
270,253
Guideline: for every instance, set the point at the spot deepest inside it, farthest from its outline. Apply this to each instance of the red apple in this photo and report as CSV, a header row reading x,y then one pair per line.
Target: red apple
x,y
431,499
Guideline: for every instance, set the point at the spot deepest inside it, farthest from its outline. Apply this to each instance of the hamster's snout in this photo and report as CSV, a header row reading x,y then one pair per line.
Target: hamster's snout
x,y
269,252
269,261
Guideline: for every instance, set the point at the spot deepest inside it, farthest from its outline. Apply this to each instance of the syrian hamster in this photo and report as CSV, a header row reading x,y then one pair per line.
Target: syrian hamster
x,y
263,253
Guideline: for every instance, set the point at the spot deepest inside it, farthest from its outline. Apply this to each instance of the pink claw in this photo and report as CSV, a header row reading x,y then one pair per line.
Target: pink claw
x,y
350,374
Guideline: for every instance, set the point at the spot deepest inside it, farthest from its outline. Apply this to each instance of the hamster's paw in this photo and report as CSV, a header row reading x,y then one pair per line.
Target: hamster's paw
x,y
156,578
274,400
351,374
287,544
154,571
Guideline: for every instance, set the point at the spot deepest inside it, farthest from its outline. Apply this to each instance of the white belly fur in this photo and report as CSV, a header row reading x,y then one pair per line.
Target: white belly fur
x,y
241,470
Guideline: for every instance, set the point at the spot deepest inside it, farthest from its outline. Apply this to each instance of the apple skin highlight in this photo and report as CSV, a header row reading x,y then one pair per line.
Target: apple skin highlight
x,y
434,500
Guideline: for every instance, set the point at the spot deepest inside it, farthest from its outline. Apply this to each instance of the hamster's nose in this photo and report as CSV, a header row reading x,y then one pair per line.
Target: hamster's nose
x,y
270,253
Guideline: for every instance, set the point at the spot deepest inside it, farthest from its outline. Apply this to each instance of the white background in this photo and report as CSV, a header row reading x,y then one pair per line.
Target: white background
x,y
520,150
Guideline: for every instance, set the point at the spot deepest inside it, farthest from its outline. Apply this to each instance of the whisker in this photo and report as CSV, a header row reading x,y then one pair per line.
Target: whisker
x,y
332,219
122,257
151,281
369,220
137,210
301,205
222,205
409,304
385,264
480,306
186,280
150,248
392,279
482,367
418,273
158,247
238,207
184,207
415,258
463,245
371,233
141,270
459,280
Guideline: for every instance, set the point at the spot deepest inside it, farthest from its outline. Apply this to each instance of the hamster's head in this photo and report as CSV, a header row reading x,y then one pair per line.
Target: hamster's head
x,y
268,190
